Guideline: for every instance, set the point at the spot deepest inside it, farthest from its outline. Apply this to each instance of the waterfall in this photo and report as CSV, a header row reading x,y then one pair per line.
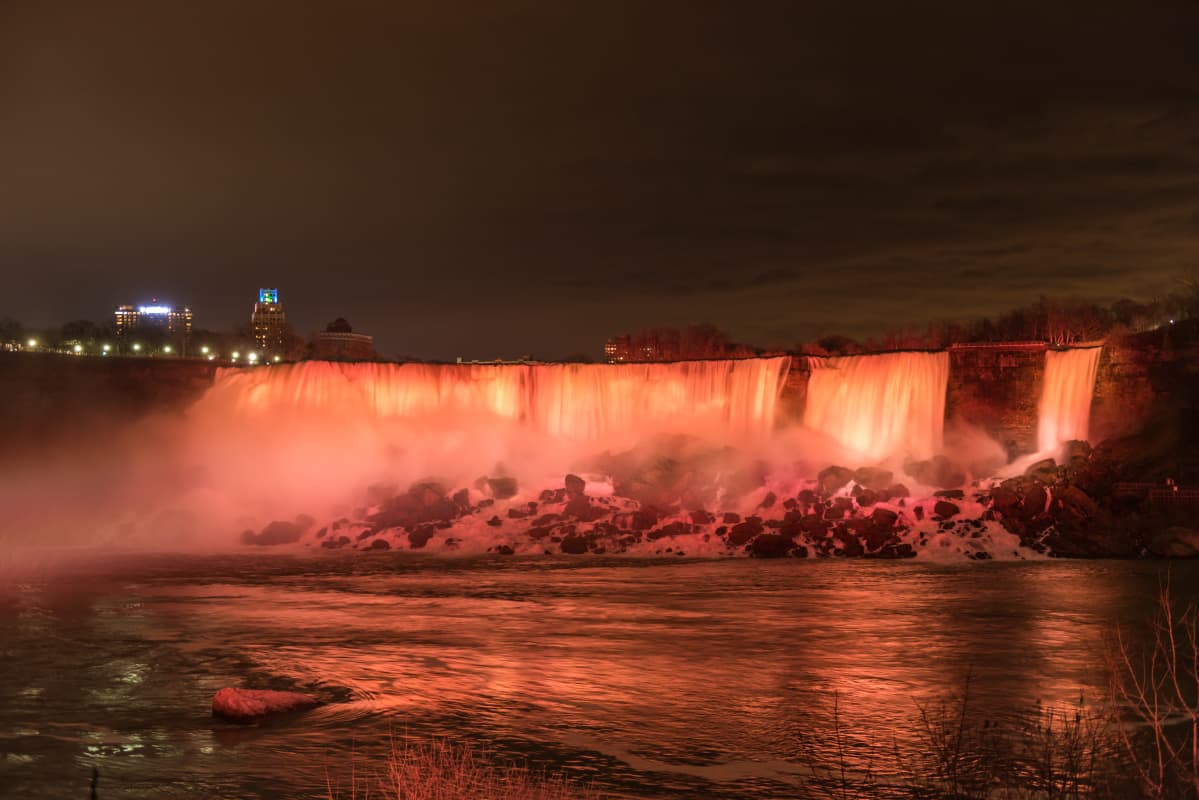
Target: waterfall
x,y
726,399
1069,382
891,404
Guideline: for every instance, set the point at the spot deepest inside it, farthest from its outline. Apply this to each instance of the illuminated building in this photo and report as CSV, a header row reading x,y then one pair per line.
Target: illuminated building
x,y
269,322
175,321
338,342
618,350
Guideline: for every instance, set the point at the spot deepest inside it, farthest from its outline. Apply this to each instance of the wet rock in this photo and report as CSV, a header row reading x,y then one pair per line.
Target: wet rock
x,y
421,536
673,529
575,485
807,497
702,517
252,705
897,490
768,501
851,546
573,545
937,471
918,512
874,478
1176,542
1076,507
522,512
1089,542
731,518
644,518
834,478
943,510
742,532
884,517
461,499
950,494
379,544
495,521
867,498
580,508
502,488
277,532
770,545
1044,471
504,550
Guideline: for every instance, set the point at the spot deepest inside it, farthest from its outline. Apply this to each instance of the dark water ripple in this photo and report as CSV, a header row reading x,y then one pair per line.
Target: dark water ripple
x,y
671,679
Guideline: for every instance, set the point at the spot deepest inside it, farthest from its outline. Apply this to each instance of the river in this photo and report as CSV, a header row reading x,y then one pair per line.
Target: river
x,y
670,679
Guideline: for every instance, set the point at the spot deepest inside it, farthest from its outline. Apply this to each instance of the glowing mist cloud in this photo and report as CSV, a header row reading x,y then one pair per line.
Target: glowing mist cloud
x,y
891,404
1069,383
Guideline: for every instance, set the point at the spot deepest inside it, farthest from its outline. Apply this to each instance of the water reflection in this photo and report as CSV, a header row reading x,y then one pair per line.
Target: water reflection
x,y
671,679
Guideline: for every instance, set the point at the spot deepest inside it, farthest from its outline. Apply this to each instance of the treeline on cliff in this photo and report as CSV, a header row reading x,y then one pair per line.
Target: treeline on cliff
x,y
1058,321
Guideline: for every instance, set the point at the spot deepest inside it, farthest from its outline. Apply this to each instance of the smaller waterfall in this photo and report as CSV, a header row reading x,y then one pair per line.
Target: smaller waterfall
x,y
1069,383
892,404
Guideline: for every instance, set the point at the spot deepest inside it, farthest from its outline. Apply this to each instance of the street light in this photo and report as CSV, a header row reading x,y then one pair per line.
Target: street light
x,y
78,349
204,349
106,348
32,343
166,348
253,357
235,355
275,359
137,348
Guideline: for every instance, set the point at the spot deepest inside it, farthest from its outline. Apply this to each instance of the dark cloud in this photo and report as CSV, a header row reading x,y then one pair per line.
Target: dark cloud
x,y
535,176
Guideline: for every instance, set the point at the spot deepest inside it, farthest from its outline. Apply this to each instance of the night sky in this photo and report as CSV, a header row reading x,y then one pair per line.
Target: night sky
x,y
532,177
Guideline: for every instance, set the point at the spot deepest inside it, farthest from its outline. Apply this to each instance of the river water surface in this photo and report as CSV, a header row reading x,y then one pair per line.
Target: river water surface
x,y
653,679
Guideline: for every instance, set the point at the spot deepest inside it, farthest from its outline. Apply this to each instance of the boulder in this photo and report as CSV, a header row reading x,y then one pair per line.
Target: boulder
x,y
1044,471
742,532
574,545
502,488
874,478
421,536
277,532
380,544
884,517
833,478
1076,506
943,509
252,705
770,545
1176,542
575,485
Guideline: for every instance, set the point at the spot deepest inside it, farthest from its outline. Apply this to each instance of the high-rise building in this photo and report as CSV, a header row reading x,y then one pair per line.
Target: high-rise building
x,y
175,320
269,322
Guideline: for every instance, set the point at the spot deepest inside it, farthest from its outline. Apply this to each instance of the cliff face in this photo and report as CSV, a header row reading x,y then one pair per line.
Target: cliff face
x,y
1149,380
46,399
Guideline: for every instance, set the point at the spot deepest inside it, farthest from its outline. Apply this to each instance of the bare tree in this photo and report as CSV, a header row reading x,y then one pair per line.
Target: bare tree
x,y
1157,684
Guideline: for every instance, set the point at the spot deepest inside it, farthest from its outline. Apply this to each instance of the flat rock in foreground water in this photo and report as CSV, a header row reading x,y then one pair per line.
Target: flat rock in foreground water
x,y
251,705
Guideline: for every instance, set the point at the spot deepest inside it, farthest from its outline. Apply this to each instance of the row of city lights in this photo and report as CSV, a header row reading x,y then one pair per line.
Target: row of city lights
x,y
252,357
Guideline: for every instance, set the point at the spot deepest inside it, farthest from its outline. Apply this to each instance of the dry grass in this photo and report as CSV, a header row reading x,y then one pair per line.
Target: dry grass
x,y
439,770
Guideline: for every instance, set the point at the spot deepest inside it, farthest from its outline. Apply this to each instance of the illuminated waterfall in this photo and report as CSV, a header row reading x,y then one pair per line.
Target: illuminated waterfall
x,y
1069,383
891,404
728,399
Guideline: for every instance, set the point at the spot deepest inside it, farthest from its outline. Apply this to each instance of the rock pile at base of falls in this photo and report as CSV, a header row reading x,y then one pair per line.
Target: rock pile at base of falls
x,y
1062,510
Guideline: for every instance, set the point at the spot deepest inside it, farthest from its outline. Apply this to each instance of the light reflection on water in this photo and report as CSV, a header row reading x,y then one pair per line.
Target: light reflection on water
x,y
669,679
